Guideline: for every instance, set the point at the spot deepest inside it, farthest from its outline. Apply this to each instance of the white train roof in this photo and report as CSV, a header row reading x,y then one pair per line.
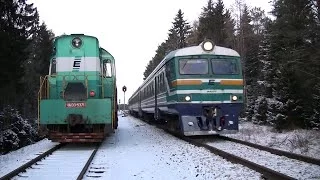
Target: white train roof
x,y
197,50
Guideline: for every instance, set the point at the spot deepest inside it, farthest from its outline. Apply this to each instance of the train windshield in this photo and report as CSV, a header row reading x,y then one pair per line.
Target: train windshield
x,y
224,66
193,66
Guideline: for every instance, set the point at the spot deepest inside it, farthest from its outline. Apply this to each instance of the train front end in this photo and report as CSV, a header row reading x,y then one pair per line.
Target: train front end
x,y
72,107
208,89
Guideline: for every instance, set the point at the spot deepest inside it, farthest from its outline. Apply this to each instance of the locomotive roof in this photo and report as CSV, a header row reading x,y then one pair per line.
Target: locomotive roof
x,y
197,50
74,35
190,51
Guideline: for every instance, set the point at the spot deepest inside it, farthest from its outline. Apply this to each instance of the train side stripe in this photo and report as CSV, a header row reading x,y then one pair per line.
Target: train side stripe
x,y
208,91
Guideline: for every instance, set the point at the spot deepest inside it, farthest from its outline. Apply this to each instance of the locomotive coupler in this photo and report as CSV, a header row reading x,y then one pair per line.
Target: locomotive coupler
x,y
212,120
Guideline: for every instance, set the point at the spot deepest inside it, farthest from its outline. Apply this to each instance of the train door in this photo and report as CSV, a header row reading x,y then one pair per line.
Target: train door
x,y
156,87
139,103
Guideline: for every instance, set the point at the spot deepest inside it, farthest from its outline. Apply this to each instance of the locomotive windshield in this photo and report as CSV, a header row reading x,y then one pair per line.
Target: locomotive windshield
x,y
193,66
224,66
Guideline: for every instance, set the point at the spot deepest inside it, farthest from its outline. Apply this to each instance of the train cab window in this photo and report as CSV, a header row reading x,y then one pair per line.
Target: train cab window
x,y
53,68
54,51
193,66
107,70
224,66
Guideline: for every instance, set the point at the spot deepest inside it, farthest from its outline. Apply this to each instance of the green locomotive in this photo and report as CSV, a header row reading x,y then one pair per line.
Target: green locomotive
x,y
77,99
195,90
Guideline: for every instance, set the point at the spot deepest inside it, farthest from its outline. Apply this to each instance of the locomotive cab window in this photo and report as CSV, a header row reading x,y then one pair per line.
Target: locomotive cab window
x,y
53,67
193,66
107,68
224,66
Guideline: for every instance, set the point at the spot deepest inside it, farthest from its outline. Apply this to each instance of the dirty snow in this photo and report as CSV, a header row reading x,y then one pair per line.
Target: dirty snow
x,y
140,151
305,142
15,159
293,168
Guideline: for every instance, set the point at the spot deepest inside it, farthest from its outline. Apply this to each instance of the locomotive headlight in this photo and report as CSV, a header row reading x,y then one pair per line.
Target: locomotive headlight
x,y
187,98
76,42
207,45
234,98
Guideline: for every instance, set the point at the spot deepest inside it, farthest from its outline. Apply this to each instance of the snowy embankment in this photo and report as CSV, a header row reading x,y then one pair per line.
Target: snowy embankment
x,y
140,151
15,159
305,142
293,168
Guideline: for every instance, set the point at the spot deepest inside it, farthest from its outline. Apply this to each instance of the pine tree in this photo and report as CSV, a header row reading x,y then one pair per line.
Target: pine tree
x,y
182,28
192,38
206,22
177,37
18,22
290,49
219,20
37,64
229,29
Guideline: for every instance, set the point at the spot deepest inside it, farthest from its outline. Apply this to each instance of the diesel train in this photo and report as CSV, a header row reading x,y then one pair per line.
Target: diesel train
x,y
196,90
77,100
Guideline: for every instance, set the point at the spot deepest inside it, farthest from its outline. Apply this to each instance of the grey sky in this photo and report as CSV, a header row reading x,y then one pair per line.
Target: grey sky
x,y
130,30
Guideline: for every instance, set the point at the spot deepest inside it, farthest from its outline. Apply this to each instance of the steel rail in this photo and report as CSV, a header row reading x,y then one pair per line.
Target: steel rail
x,y
86,166
30,163
275,151
266,172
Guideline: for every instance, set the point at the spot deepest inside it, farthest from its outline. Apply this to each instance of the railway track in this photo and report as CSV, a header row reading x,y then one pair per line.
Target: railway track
x,y
278,162
275,151
266,173
64,161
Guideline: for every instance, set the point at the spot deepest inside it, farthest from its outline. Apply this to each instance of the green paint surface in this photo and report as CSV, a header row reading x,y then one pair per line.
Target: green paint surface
x,y
55,112
64,48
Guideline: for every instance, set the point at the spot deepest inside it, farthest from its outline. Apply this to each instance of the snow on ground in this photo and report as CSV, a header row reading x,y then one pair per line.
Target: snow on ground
x,y
64,164
293,168
15,159
140,151
305,142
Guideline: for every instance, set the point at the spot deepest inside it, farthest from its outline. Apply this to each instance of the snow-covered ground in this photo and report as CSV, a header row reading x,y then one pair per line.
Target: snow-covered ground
x,y
140,151
15,159
291,167
305,142
66,164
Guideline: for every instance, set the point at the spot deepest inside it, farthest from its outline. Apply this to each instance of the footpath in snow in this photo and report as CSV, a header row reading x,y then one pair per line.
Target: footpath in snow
x,y
140,151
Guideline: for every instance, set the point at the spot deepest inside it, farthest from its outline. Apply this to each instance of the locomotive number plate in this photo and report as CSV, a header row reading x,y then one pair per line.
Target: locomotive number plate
x,y
75,104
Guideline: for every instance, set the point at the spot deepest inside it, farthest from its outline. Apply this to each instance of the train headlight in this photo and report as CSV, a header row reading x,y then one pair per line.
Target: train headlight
x,y
234,98
187,98
207,45
76,42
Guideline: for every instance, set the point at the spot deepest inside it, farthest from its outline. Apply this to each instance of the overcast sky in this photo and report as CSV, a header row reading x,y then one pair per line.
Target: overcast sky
x,y
130,30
